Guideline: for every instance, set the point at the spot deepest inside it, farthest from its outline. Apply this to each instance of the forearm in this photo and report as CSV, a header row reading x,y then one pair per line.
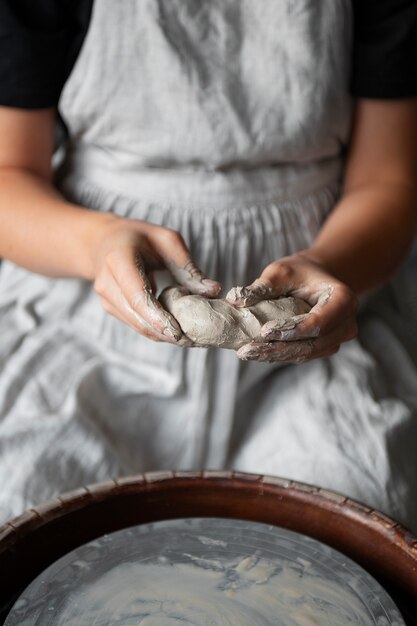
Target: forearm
x,y
42,232
368,234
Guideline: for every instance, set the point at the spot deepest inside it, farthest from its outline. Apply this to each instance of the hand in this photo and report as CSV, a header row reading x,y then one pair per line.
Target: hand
x,y
319,333
124,259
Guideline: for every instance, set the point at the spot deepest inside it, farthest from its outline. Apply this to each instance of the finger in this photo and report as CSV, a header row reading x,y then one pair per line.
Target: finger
x,y
276,330
177,259
115,303
299,351
333,304
188,275
252,294
134,321
276,280
129,273
152,281
276,352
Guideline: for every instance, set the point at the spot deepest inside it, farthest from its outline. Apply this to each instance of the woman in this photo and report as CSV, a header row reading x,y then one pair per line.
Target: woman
x,y
221,136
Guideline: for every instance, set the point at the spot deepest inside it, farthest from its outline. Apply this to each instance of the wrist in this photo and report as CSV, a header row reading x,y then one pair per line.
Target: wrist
x,y
316,256
96,227
330,265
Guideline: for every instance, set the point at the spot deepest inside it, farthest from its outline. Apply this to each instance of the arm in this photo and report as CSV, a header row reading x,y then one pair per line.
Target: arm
x,y
373,226
360,245
41,231
38,229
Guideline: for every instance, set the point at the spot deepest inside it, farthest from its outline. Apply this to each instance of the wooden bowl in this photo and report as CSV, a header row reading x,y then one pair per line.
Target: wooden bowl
x,y
31,542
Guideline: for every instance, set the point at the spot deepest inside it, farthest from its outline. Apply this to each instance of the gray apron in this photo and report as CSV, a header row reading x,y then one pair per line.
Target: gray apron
x,y
226,120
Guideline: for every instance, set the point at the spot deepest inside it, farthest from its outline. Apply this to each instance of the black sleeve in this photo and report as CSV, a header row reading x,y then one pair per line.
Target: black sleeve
x,y
39,43
384,49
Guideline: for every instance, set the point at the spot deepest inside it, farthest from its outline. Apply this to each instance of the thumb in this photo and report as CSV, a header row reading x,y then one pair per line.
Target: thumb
x,y
272,283
178,260
260,289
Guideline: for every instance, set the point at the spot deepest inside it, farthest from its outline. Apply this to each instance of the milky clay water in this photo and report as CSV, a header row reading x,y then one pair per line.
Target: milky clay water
x,y
205,572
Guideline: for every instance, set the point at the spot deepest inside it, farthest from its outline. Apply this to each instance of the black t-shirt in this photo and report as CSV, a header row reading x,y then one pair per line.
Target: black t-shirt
x,y
40,41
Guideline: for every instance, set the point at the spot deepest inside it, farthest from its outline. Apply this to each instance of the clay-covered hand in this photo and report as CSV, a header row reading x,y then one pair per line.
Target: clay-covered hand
x,y
330,322
124,259
207,322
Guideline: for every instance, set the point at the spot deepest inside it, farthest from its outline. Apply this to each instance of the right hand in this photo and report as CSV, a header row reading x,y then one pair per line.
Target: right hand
x,y
124,259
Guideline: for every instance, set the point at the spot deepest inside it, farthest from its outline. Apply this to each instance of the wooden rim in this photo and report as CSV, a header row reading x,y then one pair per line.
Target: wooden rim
x,y
378,543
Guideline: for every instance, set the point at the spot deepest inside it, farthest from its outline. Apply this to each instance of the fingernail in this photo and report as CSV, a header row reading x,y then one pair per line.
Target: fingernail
x,y
239,296
169,332
248,296
247,353
289,325
280,335
247,356
212,284
290,329
274,330
172,328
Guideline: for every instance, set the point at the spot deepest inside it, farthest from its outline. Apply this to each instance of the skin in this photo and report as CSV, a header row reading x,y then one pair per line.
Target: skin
x,y
362,243
359,247
117,254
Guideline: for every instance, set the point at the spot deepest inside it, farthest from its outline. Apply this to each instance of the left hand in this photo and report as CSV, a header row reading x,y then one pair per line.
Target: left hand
x,y
319,333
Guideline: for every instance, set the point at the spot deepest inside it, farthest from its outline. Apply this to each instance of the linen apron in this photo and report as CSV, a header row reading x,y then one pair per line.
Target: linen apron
x,y
226,120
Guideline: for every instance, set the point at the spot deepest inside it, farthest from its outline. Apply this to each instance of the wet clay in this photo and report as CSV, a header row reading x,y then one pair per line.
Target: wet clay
x,y
248,592
204,572
216,322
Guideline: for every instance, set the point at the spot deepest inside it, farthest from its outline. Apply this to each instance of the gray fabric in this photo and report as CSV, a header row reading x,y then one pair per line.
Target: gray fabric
x,y
227,121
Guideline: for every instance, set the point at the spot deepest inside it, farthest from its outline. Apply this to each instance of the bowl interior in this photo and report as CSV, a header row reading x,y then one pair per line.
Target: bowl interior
x,y
35,540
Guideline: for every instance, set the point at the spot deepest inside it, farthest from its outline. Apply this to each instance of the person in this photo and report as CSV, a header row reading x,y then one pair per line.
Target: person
x,y
269,145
